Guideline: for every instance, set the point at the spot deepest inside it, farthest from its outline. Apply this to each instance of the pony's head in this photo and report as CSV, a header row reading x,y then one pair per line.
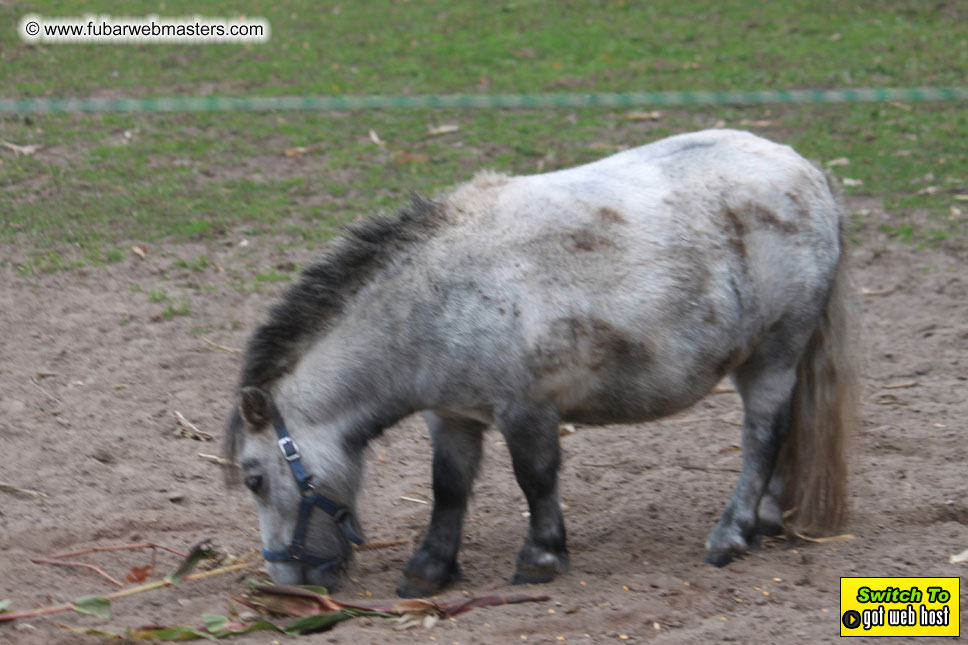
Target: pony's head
x,y
304,487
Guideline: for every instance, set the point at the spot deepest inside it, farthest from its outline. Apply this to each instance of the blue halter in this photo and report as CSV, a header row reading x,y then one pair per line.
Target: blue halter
x,y
310,500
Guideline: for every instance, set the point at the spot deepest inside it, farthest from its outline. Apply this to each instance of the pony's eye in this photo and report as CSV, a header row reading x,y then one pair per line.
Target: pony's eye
x,y
253,482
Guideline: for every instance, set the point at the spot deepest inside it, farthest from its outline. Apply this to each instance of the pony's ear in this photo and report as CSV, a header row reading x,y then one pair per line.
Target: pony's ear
x,y
254,407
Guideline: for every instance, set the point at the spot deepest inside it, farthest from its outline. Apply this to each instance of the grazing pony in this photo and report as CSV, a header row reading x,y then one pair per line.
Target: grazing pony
x,y
615,292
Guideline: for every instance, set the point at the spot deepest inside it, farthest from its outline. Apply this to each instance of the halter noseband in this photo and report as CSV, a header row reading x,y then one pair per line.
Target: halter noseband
x,y
310,499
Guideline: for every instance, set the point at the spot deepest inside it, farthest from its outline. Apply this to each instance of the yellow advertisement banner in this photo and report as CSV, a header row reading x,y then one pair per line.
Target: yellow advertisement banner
x,y
900,606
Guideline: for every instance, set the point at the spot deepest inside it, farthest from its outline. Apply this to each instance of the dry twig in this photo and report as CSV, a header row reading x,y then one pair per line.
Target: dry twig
x,y
901,386
10,488
45,611
375,545
612,464
37,385
413,499
21,150
702,419
707,469
189,430
824,540
84,565
215,459
119,547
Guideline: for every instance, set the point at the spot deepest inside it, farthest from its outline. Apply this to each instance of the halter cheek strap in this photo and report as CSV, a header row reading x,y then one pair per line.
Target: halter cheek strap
x,y
310,499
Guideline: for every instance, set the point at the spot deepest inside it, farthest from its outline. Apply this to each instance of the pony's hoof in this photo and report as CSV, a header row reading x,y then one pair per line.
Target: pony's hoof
x,y
533,577
728,542
768,529
719,558
539,568
418,588
425,575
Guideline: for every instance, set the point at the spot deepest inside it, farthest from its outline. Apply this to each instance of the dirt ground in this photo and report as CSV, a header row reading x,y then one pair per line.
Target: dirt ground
x,y
91,374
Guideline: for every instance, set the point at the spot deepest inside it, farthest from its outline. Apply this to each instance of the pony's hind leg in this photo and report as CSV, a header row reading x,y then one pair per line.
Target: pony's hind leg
x,y
766,388
457,455
769,514
531,433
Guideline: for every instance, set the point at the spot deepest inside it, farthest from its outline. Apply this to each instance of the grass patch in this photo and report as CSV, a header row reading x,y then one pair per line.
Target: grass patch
x,y
103,181
904,232
176,309
386,46
158,296
198,265
272,276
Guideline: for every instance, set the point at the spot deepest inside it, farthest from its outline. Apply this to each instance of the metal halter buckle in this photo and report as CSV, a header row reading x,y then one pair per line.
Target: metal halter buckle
x,y
289,449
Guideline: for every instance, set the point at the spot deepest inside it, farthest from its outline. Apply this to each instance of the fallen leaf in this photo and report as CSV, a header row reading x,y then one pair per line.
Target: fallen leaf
x,y
847,181
401,157
442,129
317,623
93,606
90,631
4,604
886,398
215,627
215,622
566,429
298,151
375,138
21,150
202,551
929,190
141,250
316,611
839,161
961,557
765,123
139,574
654,115
961,198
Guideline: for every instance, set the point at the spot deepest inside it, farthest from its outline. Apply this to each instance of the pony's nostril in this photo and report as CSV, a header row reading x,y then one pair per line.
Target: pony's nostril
x,y
253,482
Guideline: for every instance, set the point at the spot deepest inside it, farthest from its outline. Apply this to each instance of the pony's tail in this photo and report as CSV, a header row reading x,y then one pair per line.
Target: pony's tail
x,y
824,415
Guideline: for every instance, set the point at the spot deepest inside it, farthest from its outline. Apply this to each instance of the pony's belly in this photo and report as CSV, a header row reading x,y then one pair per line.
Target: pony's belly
x,y
623,396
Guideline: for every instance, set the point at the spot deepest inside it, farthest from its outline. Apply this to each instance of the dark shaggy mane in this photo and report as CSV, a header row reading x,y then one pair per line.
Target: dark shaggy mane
x,y
324,288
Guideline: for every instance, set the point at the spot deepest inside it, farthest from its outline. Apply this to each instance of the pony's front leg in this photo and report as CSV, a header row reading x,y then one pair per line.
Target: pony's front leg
x,y
532,438
754,508
457,455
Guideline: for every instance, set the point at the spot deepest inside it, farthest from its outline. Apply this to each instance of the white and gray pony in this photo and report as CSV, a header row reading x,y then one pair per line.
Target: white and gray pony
x,y
615,292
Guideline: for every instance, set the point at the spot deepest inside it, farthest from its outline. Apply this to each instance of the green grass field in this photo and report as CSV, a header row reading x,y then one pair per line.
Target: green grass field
x,y
101,182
